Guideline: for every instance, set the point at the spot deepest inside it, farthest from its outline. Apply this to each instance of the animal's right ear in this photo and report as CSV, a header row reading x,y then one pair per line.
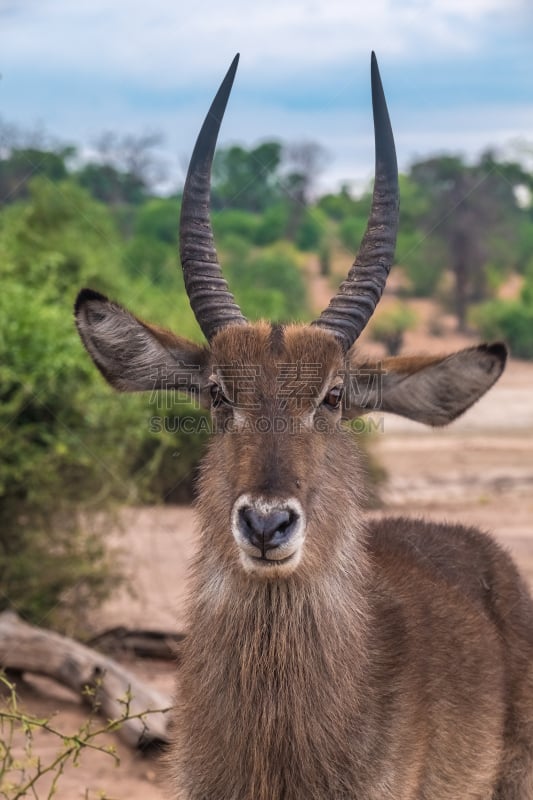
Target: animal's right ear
x,y
132,355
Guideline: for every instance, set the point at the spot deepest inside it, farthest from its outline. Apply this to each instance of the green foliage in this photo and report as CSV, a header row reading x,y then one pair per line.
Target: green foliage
x,y
511,320
390,326
312,230
166,465
415,203
351,232
524,244
269,284
235,222
472,210
273,224
68,443
158,218
151,252
246,179
339,207
111,185
423,260
20,164
50,457
59,239
150,258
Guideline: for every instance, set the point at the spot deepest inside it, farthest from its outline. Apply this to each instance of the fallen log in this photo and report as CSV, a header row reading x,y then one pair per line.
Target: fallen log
x,y
113,689
138,642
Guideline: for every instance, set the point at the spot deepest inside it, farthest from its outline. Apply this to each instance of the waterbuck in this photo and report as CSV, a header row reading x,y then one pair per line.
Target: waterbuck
x,y
328,657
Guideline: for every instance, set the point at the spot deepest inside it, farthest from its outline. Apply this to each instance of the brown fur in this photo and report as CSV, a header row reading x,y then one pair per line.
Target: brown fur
x,y
385,667
394,662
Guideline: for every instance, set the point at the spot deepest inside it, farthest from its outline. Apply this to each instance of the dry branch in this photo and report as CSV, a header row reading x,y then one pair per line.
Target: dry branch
x,y
142,643
26,648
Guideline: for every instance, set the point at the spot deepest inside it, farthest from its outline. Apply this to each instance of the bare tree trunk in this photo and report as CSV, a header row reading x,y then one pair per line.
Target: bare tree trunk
x,y
461,272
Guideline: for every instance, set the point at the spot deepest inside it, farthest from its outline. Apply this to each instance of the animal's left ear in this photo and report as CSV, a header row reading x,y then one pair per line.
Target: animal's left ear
x,y
432,390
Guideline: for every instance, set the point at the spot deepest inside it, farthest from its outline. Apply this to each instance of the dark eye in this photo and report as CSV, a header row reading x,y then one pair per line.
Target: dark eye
x,y
333,398
218,397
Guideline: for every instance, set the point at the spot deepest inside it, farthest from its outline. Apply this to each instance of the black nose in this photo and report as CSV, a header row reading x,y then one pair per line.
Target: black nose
x,y
267,530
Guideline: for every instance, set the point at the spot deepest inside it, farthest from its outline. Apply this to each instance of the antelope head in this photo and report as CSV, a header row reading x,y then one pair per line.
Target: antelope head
x,y
281,478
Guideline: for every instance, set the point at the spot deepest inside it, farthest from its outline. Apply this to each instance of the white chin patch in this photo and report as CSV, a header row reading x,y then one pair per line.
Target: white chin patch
x,y
278,561
270,568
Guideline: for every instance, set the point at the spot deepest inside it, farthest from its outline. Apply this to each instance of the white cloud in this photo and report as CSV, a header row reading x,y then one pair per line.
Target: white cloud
x,y
113,52
167,44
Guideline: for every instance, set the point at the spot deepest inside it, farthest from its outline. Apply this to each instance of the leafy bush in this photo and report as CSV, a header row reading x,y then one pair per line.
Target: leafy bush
x,y
351,232
109,184
423,260
150,258
68,442
511,320
20,162
312,230
269,284
390,326
524,245
235,222
158,218
338,206
273,224
56,431
246,179
61,237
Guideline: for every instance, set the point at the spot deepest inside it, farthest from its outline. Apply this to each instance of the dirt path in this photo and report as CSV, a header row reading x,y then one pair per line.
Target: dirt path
x,y
478,471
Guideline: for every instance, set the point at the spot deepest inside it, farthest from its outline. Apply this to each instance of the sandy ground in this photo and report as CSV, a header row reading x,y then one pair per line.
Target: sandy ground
x,y
478,471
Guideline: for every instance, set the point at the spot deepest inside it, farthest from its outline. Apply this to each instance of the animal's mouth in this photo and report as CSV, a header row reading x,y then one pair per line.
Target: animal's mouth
x,y
271,567
266,562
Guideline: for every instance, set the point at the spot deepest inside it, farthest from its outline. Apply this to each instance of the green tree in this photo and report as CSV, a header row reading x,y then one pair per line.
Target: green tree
x,y
390,326
305,161
268,284
511,320
312,230
124,169
235,222
246,179
468,208
20,165
110,185
339,206
273,224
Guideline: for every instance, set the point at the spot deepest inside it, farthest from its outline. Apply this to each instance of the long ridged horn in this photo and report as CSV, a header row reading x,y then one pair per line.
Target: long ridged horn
x,y
357,297
211,300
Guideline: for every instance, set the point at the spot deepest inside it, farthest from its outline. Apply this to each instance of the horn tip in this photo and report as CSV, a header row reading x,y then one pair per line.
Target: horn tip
x,y
233,66
374,69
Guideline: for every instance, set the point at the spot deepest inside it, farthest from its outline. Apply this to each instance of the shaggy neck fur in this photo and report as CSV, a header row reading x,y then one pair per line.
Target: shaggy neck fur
x,y
264,688
269,678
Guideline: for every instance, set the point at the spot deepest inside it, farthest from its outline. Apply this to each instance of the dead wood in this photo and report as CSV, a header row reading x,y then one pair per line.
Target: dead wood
x,y
138,642
114,689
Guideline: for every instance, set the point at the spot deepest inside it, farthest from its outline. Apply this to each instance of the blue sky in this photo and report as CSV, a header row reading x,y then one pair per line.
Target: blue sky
x,y
458,73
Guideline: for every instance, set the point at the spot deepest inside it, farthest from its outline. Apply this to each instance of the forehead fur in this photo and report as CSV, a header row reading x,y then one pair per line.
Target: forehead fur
x,y
256,344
